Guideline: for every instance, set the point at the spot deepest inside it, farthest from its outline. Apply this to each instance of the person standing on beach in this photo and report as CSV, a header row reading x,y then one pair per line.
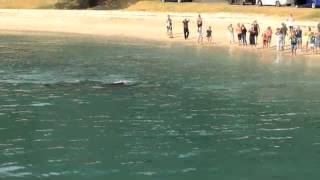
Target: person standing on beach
x,y
200,36
312,42
252,35
209,35
290,22
309,35
169,27
293,40
279,39
244,35
317,41
257,30
284,31
269,36
199,23
298,33
264,40
186,28
238,30
231,34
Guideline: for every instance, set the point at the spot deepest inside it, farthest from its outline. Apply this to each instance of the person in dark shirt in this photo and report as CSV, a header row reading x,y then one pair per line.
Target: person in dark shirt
x,y
209,35
186,28
257,30
252,34
284,31
298,34
199,23
312,41
294,42
244,35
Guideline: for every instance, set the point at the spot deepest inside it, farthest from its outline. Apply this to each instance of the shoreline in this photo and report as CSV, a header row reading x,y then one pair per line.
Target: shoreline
x,y
142,41
148,26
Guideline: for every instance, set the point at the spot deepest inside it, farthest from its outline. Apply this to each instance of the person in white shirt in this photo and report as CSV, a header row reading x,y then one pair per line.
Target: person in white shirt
x,y
279,39
290,22
200,36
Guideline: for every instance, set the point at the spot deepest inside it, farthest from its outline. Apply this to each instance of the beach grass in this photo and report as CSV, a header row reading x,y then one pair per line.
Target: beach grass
x,y
156,5
27,4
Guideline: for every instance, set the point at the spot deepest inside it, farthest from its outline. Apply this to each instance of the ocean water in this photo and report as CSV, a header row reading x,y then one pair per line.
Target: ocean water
x,y
82,107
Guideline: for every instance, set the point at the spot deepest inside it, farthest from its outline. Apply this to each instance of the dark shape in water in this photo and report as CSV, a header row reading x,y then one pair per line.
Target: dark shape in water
x,y
121,83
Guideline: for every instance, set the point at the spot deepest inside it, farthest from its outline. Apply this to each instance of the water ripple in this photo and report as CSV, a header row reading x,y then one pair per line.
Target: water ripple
x,y
13,171
278,129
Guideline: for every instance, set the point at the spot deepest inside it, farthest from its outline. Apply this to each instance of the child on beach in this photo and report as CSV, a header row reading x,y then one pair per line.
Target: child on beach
x,y
169,27
279,39
312,42
293,40
264,40
231,34
186,28
238,30
209,35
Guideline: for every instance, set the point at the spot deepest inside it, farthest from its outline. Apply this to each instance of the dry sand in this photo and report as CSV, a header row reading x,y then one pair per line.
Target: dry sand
x,y
129,24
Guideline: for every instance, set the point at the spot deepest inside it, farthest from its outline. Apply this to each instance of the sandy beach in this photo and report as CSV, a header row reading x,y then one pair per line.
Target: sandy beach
x,y
131,24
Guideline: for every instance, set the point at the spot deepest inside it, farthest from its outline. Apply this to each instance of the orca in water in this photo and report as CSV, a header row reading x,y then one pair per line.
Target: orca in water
x,y
119,83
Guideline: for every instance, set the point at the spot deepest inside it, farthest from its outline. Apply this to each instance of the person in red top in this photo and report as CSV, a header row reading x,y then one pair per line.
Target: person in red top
x,y
269,36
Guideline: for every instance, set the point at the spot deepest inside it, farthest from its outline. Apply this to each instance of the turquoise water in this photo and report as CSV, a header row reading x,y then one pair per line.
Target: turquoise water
x,y
75,107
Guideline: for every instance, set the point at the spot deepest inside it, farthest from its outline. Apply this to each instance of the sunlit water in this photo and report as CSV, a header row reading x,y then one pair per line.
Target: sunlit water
x,y
92,108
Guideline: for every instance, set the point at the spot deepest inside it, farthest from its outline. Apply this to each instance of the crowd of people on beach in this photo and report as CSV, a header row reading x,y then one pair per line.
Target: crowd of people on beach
x,y
287,31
